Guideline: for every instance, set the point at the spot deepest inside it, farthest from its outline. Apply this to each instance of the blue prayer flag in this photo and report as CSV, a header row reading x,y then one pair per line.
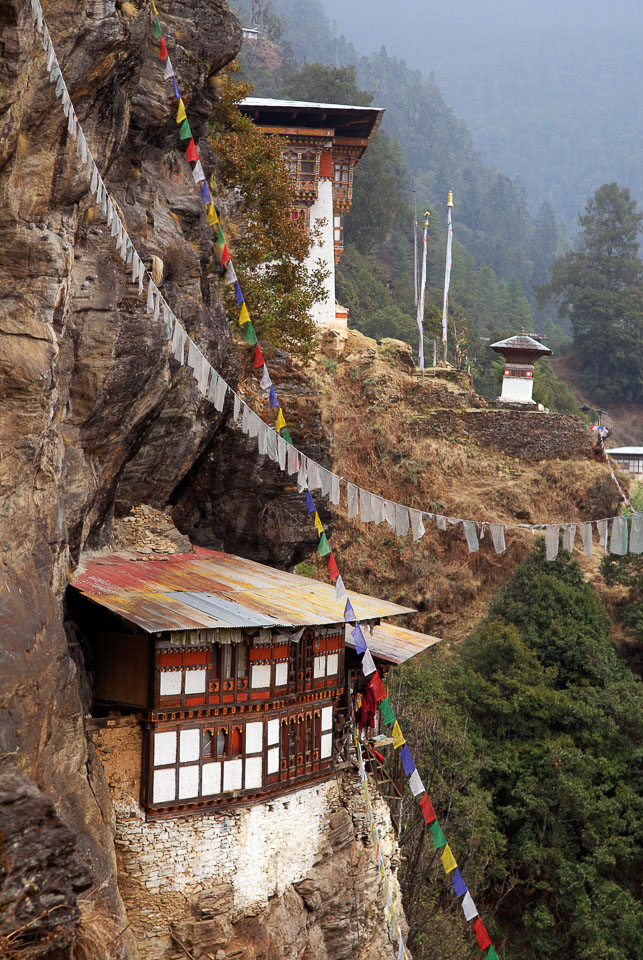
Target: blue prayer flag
x,y
459,885
238,294
176,89
349,613
206,196
358,637
407,760
310,503
273,397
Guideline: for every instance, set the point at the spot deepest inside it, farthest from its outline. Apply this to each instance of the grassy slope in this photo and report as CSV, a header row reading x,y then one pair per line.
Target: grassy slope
x,y
370,405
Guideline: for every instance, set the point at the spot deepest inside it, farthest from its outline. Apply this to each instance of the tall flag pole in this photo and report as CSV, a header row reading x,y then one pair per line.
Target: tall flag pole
x,y
420,311
415,245
447,274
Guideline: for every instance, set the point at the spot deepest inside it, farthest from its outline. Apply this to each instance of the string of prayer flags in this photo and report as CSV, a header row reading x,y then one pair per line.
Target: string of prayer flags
x,y
398,736
483,938
439,839
378,687
448,860
407,760
468,907
386,709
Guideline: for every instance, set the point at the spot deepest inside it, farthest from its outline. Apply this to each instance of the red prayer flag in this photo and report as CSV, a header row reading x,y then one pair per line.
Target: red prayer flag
x,y
483,938
190,153
333,569
259,360
427,809
225,256
163,50
377,687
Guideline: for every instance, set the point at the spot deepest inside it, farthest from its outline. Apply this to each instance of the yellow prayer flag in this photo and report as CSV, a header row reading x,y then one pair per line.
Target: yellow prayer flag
x,y
244,316
448,860
398,738
212,216
280,424
319,527
181,115
154,10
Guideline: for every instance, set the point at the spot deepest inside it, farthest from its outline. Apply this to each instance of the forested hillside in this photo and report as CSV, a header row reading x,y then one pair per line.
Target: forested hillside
x,y
500,252
551,91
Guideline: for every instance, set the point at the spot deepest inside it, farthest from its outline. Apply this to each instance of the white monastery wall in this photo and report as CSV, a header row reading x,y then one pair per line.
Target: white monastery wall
x,y
252,854
324,313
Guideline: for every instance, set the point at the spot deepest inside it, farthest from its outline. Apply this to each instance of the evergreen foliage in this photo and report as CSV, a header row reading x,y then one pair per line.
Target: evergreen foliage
x,y
599,289
539,790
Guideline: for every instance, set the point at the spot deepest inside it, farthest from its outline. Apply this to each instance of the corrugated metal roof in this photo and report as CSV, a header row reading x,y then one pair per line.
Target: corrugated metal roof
x,y
520,342
395,644
626,451
208,589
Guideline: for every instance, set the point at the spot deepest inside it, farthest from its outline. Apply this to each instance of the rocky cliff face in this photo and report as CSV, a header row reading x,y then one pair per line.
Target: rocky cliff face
x,y
92,411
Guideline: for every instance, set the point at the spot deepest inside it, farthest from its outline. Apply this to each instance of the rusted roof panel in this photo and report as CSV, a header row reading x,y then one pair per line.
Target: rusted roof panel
x,y
206,588
394,644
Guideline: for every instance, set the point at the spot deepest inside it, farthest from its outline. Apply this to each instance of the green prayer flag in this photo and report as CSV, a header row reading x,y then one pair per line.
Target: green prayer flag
x,y
323,546
492,955
286,435
220,238
439,840
157,28
251,337
184,131
387,711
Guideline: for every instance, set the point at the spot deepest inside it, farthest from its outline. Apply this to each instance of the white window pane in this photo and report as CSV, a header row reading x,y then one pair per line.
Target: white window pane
x,y
164,786
254,737
189,745
210,779
171,683
319,669
232,770
326,745
273,760
326,718
281,674
261,675
164,748
189,781
254,776
273,731
332,664
195,681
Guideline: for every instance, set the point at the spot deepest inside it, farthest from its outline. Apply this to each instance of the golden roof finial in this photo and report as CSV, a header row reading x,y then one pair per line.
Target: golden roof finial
x,y
450,199
427,214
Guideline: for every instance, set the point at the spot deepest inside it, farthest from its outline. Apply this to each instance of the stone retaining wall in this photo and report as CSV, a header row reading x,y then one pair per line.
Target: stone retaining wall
x,y
529,435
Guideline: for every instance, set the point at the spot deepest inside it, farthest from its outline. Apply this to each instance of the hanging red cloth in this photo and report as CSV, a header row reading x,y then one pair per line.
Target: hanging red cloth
x,y
368,709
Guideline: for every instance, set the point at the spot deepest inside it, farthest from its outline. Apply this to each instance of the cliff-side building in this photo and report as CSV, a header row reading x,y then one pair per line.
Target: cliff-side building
x,y
322,143
237,672
521,353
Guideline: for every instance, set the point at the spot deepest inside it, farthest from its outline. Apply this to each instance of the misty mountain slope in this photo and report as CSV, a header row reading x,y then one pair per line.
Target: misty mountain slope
x,y
552,92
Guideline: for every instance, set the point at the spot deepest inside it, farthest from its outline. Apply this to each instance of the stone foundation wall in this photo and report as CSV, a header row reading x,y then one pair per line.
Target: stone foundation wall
x,y
292,877
526,434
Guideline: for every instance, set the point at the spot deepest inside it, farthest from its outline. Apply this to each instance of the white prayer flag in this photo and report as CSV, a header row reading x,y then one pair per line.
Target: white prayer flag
x,y
222,389
417,526
415,783
352,500
377,508
169,70
301,475
468,907
335,489
340,589
368,664
471,534
197,172
151,287
365,506
282,451
569,535
389,513
178,342
293,460
498,537
314,481
401,520
551,541
636,533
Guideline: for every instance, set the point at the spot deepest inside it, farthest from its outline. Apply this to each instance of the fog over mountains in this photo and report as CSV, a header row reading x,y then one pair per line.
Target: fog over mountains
x,y
552,90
